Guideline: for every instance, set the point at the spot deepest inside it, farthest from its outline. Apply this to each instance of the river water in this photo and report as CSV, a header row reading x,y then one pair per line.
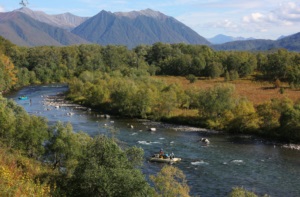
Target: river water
x,y
212,170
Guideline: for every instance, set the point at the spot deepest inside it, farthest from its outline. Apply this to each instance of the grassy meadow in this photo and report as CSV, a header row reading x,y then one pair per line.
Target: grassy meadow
x,y
255,91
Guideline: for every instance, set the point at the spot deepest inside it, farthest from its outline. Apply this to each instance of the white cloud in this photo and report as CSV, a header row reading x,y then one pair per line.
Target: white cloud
x,y
289,11
2,9
286,14
226,23
254,18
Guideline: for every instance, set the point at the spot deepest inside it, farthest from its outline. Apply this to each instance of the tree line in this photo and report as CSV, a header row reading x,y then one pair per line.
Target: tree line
x,y
46,64
116,79
217,108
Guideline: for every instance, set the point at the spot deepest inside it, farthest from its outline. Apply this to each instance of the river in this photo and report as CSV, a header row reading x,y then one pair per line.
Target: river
x,y
228,161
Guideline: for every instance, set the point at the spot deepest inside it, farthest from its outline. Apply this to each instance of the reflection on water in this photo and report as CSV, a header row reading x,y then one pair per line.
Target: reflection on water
x,y
211,170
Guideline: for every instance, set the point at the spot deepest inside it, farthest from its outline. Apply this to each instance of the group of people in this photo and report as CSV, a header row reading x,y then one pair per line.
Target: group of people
x,y
165,156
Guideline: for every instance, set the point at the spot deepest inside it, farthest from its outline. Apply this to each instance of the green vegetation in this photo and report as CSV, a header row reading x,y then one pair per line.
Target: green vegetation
x,y
47,64
20,176
241,192
55,161
106,170
170,181
117,80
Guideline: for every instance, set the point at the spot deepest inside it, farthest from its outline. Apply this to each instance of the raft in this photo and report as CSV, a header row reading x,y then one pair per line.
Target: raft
x,y
23,98
169,160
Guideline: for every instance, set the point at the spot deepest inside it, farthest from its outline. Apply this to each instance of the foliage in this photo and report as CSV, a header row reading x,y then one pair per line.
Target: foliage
x,y
133,97
8,76
65,148
47,64
19,176
115,79
192,78
245,119
107,171
215,103
20,130
71,156
170,181
241,192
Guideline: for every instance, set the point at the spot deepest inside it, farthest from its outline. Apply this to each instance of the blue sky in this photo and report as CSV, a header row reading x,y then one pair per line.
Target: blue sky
x,y
267,19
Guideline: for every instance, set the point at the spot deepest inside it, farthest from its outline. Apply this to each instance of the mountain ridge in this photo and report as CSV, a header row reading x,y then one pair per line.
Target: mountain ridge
x,y
23,30
119,28
134,28
65,20
221,39
291,43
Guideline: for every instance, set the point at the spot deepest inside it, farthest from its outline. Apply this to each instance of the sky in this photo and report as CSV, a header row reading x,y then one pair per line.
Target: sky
x,y
261,19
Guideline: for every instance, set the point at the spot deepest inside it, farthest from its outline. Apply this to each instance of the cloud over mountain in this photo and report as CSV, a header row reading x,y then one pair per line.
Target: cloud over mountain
x,y
256,18
2,9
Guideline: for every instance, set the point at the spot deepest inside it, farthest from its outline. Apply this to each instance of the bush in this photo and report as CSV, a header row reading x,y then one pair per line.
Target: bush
x,y
241,192
191,78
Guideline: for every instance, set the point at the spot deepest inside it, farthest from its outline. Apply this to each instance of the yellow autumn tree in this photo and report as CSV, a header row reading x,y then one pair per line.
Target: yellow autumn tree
x,y
170,182
8,73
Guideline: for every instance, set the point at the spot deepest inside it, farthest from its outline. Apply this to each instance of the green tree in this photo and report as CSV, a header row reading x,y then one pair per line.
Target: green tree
x,y
245,118
8,73
269,116
31,135
215,105
107,170
289,122
170,181
65,148
192,78
7,123
214,101
277,64
214,70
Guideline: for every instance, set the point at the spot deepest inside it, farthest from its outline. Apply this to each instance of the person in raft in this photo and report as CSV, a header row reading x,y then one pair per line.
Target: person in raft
x,y
161,153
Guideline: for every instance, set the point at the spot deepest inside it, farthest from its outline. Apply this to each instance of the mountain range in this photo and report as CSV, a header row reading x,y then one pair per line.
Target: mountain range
x,y
34,28
291,43
221,39
25,27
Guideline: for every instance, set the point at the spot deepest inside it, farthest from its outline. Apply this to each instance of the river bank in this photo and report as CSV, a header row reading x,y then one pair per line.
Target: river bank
x,y
59,100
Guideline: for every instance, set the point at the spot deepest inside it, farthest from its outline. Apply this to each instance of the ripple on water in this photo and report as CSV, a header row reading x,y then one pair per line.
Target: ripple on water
x,y
199,163
237,161
147,142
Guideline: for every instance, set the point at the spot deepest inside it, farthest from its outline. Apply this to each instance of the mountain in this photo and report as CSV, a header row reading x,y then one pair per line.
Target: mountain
x,y
291,43
23,30
221,39
280,37
248,45
33,28
135,28
65,21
